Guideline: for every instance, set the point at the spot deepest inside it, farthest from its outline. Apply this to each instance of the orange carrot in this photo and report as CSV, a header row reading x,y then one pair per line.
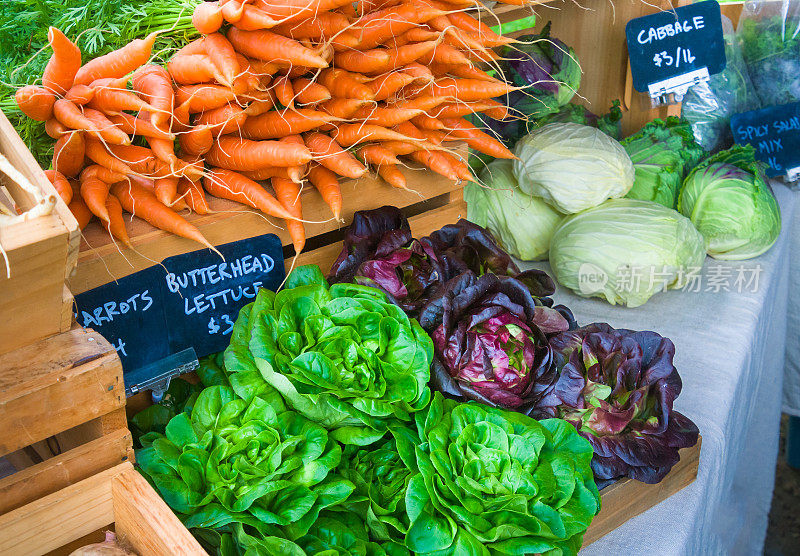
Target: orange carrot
x,y
258,107
407,54
222,55
223,120
191,69
386,117
197,141
164,150
106,129
377,155
446,54
400,147
59,74
460,109
78,208
138,126
80,94
199,98
388,84
71,116
56,129
61,185
462,70
142,203
416,34
424,103
69,153
434,136
154,85
227,184
192,193
342,84
319,27
268,172
207,17
343,107
364,61
476,138
309,92
288,193
427,122
436,162
468,89
273,125
283,91
478,30
269,46
35,102
97,153
378,26
166,189
234,153
459,166
94,192
118,63
420,73
330,155
253,19
116,222
295,173
392,175
327,183
352,134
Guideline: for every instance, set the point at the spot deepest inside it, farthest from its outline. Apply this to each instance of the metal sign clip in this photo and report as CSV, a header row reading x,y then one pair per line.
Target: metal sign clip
x,y
157,375
672,90
793,174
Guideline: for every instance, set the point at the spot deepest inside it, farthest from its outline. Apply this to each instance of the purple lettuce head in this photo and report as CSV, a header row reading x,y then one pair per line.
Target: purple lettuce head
x,y
490,341
617,388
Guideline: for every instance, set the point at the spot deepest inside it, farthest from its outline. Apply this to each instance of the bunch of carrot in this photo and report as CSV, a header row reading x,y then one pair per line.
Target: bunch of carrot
x,y
282,90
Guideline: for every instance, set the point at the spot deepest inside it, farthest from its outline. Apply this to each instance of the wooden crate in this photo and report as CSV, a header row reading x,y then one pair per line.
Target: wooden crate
x,y
118,497
41,253
62,413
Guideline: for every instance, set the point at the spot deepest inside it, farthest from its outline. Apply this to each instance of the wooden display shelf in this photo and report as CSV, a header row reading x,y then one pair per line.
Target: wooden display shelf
x,y
62,413
41,254
627,498
118,497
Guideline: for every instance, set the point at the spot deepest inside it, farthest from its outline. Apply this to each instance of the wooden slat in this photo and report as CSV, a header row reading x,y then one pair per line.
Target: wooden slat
x,y
56,384
628,498
145,521
59,518
65,469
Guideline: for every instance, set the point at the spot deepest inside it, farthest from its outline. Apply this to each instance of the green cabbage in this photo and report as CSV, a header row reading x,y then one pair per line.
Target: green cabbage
x,y
625,250
729,200
571,166
523,225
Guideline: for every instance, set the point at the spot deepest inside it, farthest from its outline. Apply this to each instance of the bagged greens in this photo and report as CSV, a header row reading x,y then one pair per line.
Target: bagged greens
x,y
625,251
662,152
572,167
728,199
523,224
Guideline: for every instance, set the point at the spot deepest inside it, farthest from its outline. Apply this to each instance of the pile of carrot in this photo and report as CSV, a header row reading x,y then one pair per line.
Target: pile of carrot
x,y
285,91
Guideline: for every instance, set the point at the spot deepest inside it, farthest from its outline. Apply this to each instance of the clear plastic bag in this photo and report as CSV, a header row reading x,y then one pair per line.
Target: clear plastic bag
x,y
708,106
769,36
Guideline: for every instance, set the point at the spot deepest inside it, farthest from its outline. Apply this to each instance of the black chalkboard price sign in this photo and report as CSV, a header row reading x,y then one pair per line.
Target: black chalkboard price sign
x,y
775,134
675,46
188,301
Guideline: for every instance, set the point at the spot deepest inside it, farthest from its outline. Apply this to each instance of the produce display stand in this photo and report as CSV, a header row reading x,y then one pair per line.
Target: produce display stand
x,y
119,496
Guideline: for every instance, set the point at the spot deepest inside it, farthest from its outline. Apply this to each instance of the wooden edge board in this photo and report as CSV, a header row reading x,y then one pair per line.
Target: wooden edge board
x,y
65,469
628,498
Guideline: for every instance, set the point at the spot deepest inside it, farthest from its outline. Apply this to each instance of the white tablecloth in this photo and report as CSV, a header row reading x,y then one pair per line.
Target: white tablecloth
x,y
791,380
729,353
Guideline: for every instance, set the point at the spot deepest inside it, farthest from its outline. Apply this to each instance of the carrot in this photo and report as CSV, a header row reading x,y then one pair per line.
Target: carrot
x,y
191,69
154,85
388,84
309,92
207,17
71,116
327,183
232,9
227,184
477,29
434,136
258,107
116,222
392,175
273,125
460,109
330,155
424,103
199,98
288,193
468,90
61,185
386,117
435,161
234,153
427,122
268,172
319,27
420,73
111,95
106,129
118,63
164,150
192,193
97,153
35,102
142,203
342,84
132,125
458,165
476,138
80,94
348,10
342,107
222,55
283,91
380,25
166,189
223,120
261,68
353,134
269,46
253,19
69,153
59,74
197,141
377,155
410,53
366,61
446,54
400,147
416,34
295,173
94,192
56,129
464,71
79,209
298,9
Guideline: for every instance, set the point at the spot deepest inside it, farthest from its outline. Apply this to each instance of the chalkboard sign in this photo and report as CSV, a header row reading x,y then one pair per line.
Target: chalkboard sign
x,y
129,314
203,294
775,134
673,43
192,301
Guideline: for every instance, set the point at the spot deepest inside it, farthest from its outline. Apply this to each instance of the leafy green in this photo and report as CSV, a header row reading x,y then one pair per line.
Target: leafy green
x,y
343,356
610,123
771,50
494,481
662,152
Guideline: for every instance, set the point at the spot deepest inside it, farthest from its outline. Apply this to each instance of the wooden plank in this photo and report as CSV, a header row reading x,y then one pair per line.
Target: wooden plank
x,y
65,469
101,261
628,498
145,521
59,518
72,377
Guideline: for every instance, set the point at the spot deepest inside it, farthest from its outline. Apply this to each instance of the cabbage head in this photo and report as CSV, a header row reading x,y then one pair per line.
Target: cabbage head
x,y
729,200
522,224
572,166
625,250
